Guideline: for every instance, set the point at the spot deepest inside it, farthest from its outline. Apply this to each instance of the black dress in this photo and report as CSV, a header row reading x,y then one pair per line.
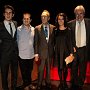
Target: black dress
x,y
63,46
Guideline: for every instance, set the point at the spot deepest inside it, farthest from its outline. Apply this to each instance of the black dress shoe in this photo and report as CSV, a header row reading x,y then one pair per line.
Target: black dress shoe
x,y
38,88
21,87
32,87
80,87
48,87
74,87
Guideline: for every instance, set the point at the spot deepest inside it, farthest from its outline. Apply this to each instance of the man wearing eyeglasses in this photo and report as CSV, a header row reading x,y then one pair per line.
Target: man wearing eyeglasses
x,y
80,34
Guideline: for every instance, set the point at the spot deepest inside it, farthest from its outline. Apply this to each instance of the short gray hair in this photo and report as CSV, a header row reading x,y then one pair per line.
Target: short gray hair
x,y
79,7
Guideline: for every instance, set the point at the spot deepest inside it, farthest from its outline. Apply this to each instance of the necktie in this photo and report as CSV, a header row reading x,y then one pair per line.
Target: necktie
x,y
46,32
11,31
79,35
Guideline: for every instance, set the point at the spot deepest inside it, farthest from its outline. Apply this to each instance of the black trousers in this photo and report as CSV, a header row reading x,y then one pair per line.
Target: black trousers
x,y
6,62
62,74
26,67
78,70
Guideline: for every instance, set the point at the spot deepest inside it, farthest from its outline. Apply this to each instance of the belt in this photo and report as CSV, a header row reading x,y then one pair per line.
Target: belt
x,y
80,47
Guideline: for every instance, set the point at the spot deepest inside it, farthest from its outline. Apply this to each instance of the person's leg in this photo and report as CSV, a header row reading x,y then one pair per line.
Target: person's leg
x,y
82,67
23,69
4,74
14,69
28,70
60,76
65,72
47,80
74,71
40,73
47,63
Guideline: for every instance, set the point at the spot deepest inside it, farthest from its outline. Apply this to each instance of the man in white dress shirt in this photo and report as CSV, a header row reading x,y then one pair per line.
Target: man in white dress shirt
x,y
81,41
9,50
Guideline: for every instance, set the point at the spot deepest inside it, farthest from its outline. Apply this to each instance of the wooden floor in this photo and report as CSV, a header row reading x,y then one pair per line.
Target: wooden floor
x,y
34,77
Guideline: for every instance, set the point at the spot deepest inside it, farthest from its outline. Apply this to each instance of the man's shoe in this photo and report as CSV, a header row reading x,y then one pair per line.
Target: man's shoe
x,y
38,88
21,87
26,88
74,87
80,87
32,87
48,85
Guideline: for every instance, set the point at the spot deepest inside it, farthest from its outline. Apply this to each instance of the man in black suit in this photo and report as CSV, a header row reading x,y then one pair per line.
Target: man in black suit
x,y
43,47
81,40
9,50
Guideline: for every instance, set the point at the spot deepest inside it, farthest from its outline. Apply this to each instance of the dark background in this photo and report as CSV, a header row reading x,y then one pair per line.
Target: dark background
x,y
35,7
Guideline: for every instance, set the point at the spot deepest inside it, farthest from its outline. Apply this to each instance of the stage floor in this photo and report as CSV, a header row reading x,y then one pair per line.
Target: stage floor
x,y
54,83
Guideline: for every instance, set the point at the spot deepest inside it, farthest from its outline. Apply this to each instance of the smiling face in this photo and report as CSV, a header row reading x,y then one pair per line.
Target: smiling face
x,y
26,19
79,13
45,17
60,20
8,14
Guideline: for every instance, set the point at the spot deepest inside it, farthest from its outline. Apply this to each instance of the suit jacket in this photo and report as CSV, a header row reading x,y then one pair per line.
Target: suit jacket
x,y
41,46
8,43
72,25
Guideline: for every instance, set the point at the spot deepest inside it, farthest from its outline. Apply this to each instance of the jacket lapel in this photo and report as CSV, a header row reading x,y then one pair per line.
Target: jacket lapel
x,y
4,28
86,26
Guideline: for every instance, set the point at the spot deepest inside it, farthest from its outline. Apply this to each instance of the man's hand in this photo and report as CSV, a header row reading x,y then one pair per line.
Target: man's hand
x,y
36,58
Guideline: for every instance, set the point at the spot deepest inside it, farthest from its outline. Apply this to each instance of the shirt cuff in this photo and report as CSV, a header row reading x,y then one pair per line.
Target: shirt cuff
x,y
36,55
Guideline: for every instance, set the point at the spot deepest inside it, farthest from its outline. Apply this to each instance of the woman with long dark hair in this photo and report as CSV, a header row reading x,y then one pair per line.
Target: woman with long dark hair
x,y
63,47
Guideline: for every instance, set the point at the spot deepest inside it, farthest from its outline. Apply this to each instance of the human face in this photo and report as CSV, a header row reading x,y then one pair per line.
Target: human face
x,y
60,20
26,19
8,14
45,18
79,15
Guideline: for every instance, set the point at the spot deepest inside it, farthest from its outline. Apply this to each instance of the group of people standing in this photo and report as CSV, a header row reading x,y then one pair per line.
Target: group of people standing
x,y
47,44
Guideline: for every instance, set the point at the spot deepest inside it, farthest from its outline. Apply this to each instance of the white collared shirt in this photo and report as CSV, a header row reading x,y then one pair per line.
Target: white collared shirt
x,y
83,33
25,39
6,23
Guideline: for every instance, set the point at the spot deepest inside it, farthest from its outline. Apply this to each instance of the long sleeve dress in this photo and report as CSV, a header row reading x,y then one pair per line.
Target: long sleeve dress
x,y
63,46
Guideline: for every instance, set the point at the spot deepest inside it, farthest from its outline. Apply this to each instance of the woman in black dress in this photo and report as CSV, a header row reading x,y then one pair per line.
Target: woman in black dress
x,y
63,47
